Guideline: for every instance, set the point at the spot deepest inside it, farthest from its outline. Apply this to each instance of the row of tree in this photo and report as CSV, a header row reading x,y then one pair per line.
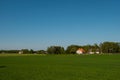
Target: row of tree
x,y
105,47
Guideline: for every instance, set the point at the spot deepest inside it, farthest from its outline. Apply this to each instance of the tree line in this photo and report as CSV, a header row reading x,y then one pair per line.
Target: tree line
x,y
105,47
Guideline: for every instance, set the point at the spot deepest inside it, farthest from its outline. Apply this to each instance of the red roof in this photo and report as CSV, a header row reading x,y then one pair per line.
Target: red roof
x,y
81,49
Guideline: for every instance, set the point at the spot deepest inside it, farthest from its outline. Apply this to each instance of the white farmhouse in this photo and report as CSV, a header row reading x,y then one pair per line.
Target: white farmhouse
x,y
80,51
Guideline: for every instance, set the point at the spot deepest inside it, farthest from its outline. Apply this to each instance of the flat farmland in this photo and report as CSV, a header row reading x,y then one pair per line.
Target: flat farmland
x,y
59,67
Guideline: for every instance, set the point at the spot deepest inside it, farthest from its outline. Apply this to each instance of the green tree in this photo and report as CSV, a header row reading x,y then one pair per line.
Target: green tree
x,y
110,47
41,52
72,49
25,51
31,51
87,48
119,47
55,50
9,51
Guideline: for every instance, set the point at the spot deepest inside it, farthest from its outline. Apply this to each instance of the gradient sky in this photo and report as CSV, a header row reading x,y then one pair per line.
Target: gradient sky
x,y
37,24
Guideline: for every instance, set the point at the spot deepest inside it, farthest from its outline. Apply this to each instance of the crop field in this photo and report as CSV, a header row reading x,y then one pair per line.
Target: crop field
x,y
59,67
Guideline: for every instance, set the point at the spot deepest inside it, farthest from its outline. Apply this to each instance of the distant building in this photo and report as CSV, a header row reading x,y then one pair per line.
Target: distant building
x,y
94,52
80,51
91,51
20,52
97,51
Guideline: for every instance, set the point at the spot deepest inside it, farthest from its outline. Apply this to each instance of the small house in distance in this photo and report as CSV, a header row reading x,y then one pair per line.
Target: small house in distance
x,y
80,51
96,51
20,52
91,51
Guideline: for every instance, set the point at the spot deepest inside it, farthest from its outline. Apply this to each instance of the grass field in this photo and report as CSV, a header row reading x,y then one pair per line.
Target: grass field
x,y
59,67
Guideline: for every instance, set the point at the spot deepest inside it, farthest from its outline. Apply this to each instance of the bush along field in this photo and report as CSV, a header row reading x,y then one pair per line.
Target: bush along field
x,y
60,67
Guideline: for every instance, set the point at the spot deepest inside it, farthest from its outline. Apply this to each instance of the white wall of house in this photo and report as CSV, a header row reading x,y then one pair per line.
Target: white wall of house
x,y
91,53
97,52
79,52
20,52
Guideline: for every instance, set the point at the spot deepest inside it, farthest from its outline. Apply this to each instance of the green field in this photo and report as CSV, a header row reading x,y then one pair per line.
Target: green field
x,y
59,67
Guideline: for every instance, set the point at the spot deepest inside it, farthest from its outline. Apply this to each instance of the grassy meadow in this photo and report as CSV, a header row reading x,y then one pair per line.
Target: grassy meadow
x,y
59,67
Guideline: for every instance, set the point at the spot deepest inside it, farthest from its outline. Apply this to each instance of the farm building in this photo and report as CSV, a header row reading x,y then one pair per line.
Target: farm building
x,y
96,51
91,51
20,52
80,51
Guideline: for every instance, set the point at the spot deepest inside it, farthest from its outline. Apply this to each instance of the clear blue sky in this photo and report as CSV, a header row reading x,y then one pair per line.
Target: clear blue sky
x,y
37,24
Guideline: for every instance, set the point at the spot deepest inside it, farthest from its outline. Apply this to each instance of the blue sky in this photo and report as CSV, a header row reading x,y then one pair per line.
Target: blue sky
x,y
38,24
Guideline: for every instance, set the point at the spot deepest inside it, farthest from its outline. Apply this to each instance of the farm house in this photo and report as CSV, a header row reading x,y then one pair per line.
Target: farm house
x,y
80,51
